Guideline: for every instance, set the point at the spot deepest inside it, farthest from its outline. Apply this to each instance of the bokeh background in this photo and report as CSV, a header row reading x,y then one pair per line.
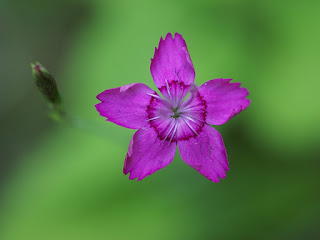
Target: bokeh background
x,y
60,183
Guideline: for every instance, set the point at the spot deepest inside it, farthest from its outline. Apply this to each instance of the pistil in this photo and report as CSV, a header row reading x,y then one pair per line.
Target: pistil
x,y
176,114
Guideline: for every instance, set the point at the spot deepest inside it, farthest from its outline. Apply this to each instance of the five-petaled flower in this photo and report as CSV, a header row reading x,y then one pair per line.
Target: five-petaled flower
x,y
166,122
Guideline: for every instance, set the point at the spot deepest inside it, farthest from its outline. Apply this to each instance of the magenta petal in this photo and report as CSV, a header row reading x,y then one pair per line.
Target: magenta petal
x,y
172,62
224,100
206,154
126,105
147,154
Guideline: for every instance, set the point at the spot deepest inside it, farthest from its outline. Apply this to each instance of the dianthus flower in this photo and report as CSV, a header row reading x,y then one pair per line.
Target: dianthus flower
x,y
174,119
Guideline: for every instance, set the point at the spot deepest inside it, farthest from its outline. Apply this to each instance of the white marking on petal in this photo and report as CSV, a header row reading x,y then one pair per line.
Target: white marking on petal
x,y
126,87
187,56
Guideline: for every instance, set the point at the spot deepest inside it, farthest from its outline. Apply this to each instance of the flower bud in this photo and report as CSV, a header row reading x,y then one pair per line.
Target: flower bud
x,y
46,84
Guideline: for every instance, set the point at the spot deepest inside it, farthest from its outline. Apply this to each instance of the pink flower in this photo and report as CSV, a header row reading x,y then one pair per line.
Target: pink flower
x,y
164,123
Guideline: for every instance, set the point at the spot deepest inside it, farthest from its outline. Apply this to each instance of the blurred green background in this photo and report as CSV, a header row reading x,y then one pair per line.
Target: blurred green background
x,y
62,183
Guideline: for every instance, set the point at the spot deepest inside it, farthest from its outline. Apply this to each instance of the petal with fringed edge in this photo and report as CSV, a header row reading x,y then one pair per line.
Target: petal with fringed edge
x,y
223,99
206,153
172,63
126,105
147,154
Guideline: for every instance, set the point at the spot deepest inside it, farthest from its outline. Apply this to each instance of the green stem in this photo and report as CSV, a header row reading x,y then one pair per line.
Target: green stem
x,y
92,127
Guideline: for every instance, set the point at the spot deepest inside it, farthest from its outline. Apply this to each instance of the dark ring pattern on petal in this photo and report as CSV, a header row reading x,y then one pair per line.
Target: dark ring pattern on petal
x,y
174,92
177,122
196,111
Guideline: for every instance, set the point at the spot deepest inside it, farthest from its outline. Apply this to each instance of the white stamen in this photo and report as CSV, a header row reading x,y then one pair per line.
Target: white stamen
x,y
168,89
193,92
185,102
192,107
192,120
172,125
174,132
180,97
153,95
161,100
154,118
190,127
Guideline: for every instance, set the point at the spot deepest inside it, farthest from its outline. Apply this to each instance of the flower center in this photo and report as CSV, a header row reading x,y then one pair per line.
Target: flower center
x,y
173,118
176,112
